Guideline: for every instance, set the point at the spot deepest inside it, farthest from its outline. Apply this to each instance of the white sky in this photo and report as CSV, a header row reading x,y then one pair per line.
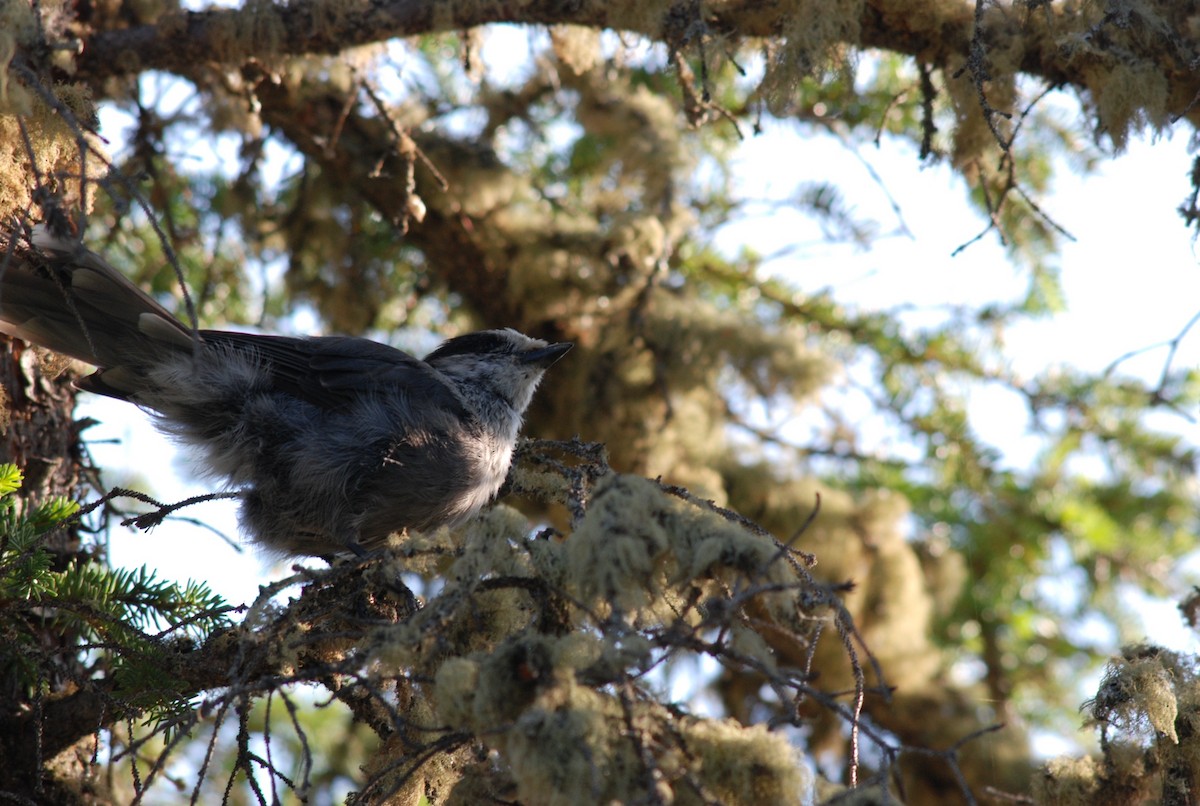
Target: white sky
x,y
1130,278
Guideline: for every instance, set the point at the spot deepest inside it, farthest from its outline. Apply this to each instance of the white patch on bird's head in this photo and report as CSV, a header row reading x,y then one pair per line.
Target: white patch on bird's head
x,y
496,366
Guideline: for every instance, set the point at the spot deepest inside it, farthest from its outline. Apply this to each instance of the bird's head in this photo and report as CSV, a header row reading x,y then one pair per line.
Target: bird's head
x,y
503,363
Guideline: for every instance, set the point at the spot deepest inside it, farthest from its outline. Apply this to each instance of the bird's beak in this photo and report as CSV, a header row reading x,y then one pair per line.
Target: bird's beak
x,y
546,356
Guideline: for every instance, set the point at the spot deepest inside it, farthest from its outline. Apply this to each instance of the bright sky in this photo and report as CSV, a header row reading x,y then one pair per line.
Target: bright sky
x,y
1130,279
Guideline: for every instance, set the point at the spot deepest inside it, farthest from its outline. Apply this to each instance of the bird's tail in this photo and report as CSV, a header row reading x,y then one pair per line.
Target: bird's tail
x,y
56,293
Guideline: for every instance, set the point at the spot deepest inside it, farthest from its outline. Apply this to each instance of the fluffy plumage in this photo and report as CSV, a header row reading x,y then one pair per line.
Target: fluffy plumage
x,y
334,442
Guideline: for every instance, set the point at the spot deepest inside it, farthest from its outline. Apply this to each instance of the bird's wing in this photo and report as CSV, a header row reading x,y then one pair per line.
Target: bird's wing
x,y
330,371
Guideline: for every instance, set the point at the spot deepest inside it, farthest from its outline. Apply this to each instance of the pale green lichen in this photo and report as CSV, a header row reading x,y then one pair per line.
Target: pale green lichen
x,y
568,743
37,142
45,129
744,765
816,36
576,46
1069,781
1129,99
1138,693
641,552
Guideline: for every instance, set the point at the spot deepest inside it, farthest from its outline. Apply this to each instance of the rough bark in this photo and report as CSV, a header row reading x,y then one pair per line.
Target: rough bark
x,y
42,437
1050,41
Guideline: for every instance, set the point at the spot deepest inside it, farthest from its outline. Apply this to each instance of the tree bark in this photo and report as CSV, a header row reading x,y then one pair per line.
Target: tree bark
x,y
42,438
1061,45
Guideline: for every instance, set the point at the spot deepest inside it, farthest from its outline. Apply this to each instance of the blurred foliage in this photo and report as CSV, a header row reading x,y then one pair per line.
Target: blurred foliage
x,y
966,507
580,192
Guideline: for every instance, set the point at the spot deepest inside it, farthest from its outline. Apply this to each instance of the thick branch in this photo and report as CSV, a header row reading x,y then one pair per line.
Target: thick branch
x,y
310,641
181,41
1063,46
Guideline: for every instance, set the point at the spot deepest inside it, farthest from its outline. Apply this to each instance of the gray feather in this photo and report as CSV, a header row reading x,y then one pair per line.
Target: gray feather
x,y
335,442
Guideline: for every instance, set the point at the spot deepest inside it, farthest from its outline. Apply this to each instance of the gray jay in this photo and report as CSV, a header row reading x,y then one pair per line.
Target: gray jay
x,y
334,442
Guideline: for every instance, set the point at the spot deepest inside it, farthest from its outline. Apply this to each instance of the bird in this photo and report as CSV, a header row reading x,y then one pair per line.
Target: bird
x,y
332,442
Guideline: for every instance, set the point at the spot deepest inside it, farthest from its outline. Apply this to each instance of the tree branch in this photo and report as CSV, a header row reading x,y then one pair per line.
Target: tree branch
x,y
1054,43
